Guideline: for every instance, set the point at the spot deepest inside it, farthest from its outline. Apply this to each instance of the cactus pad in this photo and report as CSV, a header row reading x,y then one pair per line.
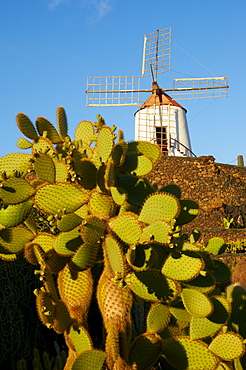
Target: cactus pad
x,y
14,214
183,268
15,162
159,231
221,271
159,206
216,246
91,359
119,196
204,282
61,121
13,240
114,254
66,243
23,143
88,174
53,198
26,127
101,205
80,338
127,228
147,344
104,144
228,346
153,152
196,303
43,125
137,165
183,353
92,229
45,168
158,317
188,211
85,257
69,222
84,132
15,190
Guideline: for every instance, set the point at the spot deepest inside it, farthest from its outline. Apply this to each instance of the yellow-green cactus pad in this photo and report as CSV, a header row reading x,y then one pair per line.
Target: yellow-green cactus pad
x,y
53,198
126,226
228,346
14,214
204,282
88,360
196,303
142,257
62,319
45,168
26,127
101,205
152,286
15,162
66,243
82,211
61,121
111,175
119,195
92,229
43,145
158,317
114,254
152,151
180,313
69,222
137,189
43,125
23,143
61,172
184,353
202,327
13,240
75,289
45,308
45,240
145,351
80,338
104,144
118,153
85,257
15,190
221,271
188,211
137,165
84,132
216,246
159,206
182,267
88,174
159,231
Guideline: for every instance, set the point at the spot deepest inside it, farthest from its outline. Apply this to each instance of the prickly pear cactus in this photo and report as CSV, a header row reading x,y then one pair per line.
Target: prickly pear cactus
x,y
103,237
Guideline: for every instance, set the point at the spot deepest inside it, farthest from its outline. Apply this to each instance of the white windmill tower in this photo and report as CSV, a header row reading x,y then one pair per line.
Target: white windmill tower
x,y
160,119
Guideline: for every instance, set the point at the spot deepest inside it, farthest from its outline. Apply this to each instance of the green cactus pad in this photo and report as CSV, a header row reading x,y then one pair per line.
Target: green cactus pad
x,y
53,198
158,317
119,195
14,214
202,327
137,165
62,319
142,257
26,127
88,174
55,263
114,254
111,175
75,289
91,359
196,303
145,351
101,205
228,346
61,172
92,229
43,145
15,190
159,206
80,338
221,272
159,231
45,241
127,228
104,144
84,132
66,243
150,150
15,162
118,153
188,211
184,353
180,313
13,240
216,246
172,189
152,286
61,121
137,189
85,257
45,308
43,125
82,211
69,222
183,267
23,143
187,246
45,168
204,282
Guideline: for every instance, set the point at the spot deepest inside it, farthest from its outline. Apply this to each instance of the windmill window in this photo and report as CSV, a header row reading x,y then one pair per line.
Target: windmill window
x,y
161,138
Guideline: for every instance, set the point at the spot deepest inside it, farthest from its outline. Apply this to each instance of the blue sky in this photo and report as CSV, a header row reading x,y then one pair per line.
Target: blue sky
x,y
49,47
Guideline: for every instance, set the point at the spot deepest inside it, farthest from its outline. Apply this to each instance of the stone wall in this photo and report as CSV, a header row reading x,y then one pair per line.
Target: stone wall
x,y
219,189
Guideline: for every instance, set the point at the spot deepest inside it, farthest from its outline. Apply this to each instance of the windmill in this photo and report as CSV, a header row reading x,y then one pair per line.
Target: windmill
x,y
160,119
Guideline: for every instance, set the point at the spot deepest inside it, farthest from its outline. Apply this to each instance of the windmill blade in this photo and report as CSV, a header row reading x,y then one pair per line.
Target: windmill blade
x,y
157,52
112,91
199,88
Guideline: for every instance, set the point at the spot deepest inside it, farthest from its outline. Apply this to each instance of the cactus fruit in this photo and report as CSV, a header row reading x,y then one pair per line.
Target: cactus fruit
x,y
120,279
